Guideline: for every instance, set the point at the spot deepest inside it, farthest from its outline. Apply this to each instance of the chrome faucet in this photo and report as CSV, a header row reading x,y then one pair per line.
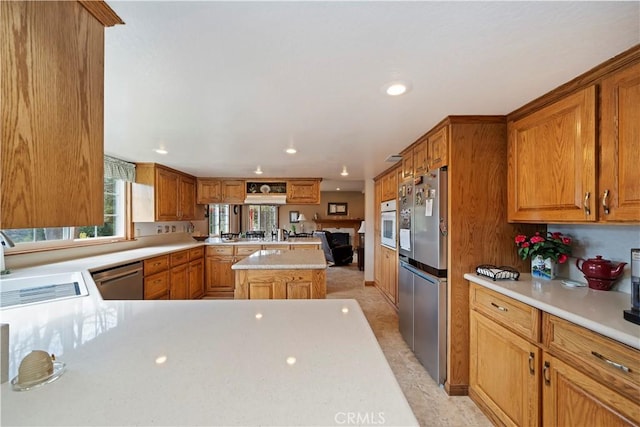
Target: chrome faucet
x,y
4,241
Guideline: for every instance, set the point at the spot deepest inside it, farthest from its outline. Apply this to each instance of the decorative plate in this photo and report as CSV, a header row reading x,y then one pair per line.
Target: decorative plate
x,y
58,370
265,189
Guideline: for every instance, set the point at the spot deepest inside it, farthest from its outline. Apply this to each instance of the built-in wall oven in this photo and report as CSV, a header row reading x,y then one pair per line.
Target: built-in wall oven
x,y
388,225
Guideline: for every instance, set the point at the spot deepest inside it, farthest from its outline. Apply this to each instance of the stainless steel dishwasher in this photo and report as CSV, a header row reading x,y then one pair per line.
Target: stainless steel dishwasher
x,y
121,282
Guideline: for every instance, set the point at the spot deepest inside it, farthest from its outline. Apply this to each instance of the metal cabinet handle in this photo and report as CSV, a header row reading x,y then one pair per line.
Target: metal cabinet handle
x,y
611,362
587,209
499,307
532,368
157,263
605,202
546,374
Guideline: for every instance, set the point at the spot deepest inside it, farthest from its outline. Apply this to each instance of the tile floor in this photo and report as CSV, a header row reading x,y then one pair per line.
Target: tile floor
x,y
429,402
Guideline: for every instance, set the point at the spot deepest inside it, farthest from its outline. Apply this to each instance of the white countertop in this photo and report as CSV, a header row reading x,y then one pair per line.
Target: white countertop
x,y
282,260
291,241
600,311
223,365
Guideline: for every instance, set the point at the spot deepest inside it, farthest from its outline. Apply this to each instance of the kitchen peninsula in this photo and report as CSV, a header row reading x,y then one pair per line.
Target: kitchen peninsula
x,y
281,274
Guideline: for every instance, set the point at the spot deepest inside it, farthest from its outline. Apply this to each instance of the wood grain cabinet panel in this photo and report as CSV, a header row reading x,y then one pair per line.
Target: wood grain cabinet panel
x,y
155,265
420,158
552,163
179,282
171,193
438,148
504,373
619,177
219,277
209,191
196,278
52,68
233,191
407,164
573,399
156,286
303,191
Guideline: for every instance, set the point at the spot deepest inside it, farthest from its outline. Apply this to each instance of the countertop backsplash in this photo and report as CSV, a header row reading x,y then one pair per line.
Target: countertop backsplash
x,y
612,242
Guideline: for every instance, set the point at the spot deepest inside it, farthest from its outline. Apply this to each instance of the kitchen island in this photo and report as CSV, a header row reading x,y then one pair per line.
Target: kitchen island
x,y
281,274
202,362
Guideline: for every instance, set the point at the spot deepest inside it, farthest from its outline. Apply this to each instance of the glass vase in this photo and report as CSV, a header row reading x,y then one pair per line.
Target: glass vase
x,y
543,268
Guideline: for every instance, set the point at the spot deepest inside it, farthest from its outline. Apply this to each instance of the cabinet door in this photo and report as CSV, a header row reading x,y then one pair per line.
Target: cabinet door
x,y
504,372
420,158
179,282
219,274
51,62
303,191
620,146
156,286
196,278
233,191
167,195
438,149
407,164
209,191
551,162
187,198
571,398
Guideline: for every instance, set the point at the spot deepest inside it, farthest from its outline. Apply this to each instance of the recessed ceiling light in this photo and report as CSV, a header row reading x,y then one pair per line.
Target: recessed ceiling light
x,y
396,88
338,189
161,151
291,150
344,171
258,171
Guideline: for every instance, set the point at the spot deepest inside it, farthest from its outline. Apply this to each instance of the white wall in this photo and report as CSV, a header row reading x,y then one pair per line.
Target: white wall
x,y
612,242
369,215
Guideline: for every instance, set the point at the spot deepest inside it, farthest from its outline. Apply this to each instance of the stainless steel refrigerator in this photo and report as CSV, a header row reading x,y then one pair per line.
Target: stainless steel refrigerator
x,y
422,276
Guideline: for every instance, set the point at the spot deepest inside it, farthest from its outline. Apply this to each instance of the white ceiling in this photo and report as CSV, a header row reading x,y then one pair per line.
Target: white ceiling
x,y
227,86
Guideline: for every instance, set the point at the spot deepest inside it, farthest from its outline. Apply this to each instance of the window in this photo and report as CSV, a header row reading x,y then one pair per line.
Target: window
x,y
263,218
113,226
218,219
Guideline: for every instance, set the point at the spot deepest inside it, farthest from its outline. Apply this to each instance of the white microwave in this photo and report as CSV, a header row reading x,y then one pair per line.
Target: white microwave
x,y
388,224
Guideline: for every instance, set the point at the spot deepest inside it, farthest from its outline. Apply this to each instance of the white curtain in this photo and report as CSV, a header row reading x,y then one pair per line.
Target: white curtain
x,y
119,169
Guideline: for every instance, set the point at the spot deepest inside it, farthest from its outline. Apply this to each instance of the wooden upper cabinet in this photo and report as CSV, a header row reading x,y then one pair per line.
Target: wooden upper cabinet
x,y
438,149
552,164
407,164
233,191
187,197
420,158
209,191
619,179
167,193
163,194
52,104
390,185
305,191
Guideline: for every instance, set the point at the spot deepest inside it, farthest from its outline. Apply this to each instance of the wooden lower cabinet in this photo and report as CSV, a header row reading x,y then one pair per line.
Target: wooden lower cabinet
x,y
388,279
196,279
156,286
179,280
504,373
280,284
520,379
573,399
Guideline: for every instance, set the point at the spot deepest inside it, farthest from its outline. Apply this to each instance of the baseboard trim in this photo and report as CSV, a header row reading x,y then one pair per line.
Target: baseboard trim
x,y
369,283
456,389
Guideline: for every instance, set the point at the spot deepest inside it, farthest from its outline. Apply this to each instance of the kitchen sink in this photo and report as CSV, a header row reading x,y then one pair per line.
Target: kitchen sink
x,y
37,289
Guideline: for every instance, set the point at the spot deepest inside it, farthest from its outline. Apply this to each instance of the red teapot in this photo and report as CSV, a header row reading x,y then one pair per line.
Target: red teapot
x,y
598,268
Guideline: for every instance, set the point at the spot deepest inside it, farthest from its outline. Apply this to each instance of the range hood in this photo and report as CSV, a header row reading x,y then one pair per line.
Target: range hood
x,y
265,199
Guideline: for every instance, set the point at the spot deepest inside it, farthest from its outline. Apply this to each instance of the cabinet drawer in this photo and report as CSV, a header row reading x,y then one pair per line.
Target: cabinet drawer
x,y
196,253
156,286
305,247
155,265
219,250
609,361
275,247
514,315
245,251
179,258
